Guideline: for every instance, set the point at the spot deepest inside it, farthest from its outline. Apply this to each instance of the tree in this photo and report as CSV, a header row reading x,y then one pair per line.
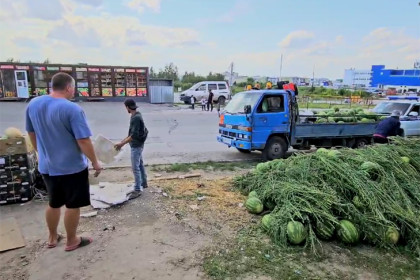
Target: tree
x,y
250,81
152,73
215,77
169,72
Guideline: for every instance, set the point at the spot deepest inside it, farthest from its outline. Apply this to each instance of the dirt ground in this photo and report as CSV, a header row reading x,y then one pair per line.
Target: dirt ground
x,y
182,229
152,237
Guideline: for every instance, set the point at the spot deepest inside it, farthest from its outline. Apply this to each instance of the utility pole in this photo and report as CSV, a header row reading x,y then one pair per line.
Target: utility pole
x,y
231,74
313,77
281,66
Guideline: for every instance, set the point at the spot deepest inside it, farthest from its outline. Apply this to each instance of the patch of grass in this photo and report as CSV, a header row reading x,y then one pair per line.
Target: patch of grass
x,y
209,165
252,253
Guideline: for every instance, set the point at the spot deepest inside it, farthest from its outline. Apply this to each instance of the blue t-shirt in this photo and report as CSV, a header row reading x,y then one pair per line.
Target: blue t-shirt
x,y
57,124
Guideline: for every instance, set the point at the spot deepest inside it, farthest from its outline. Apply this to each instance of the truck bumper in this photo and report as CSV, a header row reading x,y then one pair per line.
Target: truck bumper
x,y
245,145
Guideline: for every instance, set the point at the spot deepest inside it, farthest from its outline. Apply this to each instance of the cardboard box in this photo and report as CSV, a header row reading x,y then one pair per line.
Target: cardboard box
x,y
13,146
20,161
5,176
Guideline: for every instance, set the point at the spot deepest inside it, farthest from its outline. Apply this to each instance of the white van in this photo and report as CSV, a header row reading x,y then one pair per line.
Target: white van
x,y
220,90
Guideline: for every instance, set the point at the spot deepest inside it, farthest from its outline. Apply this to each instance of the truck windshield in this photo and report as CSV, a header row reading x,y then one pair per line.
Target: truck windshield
x,y
388,107
240,100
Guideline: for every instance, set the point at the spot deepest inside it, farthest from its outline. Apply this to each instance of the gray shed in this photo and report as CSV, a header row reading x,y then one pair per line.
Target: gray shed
x,y
161,91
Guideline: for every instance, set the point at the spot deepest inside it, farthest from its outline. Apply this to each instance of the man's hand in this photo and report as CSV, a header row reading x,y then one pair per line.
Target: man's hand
x,y
119,146
98,168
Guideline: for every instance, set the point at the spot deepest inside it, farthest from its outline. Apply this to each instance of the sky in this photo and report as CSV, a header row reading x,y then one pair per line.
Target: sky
x,y
324,36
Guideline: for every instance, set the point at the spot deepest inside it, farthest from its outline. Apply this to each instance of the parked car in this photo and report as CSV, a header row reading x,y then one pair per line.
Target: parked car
x,y
220,89
410,112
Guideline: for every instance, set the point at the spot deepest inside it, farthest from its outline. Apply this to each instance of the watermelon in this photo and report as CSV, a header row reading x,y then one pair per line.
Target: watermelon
x,y
405,159
370,167
325,230
347,232
340,122
321,120
322,113
365,120
254,205
331,120
383,118
266,222
333,153
392,236
357,202
322,151
253,194
296,232
261,167
336,109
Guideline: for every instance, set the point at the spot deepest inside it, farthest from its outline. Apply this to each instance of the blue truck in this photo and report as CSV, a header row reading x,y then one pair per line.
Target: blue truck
x,y
269,121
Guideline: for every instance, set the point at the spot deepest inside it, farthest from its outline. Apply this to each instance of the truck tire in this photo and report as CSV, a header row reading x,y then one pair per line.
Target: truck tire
x,y
361,143
243,151
275,148
221,100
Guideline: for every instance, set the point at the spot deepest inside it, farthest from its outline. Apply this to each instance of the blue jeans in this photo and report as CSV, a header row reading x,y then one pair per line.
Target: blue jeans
x,y
140,177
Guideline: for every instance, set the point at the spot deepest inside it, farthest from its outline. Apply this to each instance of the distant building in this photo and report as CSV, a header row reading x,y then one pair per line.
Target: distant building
x,y
402,80
407,80
357,78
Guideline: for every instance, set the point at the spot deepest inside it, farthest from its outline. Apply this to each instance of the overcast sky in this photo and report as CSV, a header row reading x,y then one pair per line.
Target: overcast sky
x,y
206,35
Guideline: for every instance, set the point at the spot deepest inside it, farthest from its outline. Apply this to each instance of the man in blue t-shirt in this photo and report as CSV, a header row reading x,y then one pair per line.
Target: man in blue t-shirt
x,y
59,132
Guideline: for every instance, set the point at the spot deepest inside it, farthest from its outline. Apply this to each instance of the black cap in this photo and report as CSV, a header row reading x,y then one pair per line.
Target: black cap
x,y
131,104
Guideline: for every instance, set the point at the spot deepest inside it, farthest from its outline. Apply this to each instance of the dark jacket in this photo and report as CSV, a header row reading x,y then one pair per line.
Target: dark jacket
x,y
388,127
210,99
137,130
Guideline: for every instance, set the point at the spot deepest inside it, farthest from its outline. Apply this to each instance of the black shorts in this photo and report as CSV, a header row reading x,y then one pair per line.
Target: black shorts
x,y
70,190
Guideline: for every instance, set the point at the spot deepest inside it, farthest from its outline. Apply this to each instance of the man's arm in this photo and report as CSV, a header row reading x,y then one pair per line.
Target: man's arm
x,y
32,137
86,147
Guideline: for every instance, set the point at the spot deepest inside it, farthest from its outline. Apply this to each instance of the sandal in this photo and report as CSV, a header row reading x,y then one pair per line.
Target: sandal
x,y
83,242
53,245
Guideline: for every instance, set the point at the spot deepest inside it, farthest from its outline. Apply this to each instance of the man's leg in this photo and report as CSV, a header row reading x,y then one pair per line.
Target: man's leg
x,y
143,171
135,164
56,197
52,216
71,221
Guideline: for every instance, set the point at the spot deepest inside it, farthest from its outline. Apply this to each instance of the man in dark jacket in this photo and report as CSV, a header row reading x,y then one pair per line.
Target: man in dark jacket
x,y
210,101
388,127
137,135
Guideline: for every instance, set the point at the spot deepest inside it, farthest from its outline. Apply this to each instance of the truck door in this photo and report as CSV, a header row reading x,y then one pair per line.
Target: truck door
x,y
22,86
271,116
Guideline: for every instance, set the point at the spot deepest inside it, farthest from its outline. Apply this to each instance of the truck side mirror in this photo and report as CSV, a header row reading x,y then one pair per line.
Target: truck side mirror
x,y
247,109
413,114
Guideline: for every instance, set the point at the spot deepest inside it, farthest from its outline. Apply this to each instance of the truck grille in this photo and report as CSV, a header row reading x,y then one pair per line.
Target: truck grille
x,y
228,133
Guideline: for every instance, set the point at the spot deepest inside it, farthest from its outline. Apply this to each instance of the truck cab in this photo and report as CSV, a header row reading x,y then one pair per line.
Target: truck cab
x,y
409,106
253,118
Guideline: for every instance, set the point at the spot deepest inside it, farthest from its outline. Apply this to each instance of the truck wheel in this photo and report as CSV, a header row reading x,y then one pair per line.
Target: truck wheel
x,y
275,148
221,100
361,143
243,151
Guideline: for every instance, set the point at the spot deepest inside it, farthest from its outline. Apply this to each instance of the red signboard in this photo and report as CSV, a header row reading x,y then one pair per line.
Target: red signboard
x,y
141,70
66,68
93,69
22,67
39,68
130,70
7,67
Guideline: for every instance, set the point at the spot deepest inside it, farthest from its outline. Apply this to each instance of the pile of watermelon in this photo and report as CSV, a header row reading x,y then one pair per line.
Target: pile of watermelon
x,y
352,115
369,195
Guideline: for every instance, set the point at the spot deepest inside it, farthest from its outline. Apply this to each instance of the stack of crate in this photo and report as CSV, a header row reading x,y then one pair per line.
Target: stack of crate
x,y
18,163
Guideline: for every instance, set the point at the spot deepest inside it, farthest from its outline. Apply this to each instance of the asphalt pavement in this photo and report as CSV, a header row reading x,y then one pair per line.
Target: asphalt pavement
x,y
177,134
